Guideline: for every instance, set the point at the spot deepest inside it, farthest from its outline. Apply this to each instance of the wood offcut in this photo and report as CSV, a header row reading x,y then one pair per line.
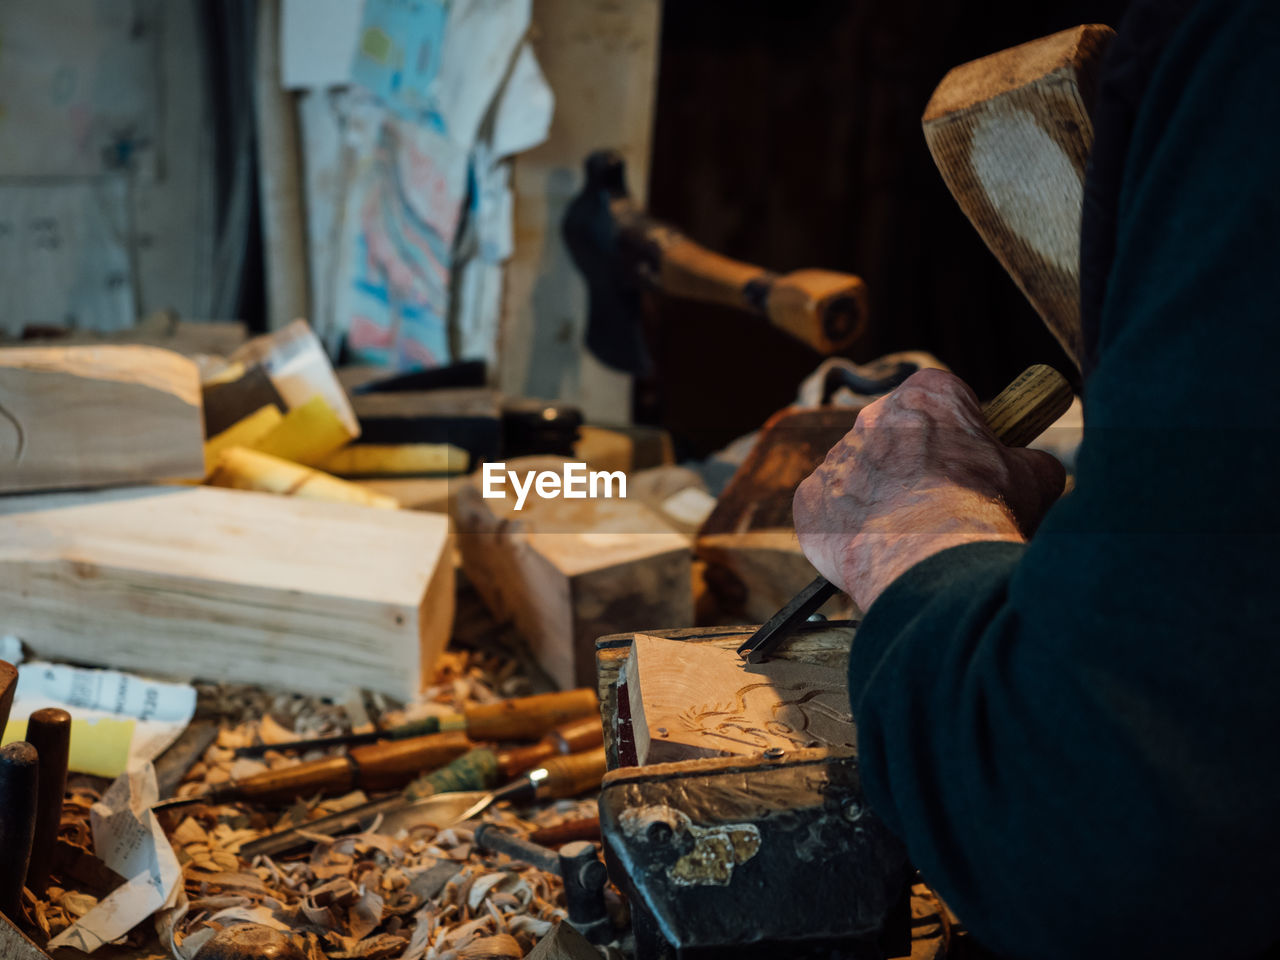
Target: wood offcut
x,y
94,416
231,585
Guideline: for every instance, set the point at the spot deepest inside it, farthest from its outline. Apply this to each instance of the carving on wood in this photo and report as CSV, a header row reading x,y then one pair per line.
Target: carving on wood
x,y
701,700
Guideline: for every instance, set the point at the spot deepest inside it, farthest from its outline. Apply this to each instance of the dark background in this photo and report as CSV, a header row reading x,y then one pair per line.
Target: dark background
x,y
788,135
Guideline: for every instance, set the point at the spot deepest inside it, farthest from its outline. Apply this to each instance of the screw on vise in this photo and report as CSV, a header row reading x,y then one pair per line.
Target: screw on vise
x,y
578,864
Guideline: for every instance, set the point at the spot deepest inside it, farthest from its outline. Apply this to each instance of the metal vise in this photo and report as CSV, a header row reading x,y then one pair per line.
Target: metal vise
x,y
762,856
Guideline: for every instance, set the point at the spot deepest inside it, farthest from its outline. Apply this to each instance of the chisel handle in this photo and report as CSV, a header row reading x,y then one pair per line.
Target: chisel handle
x,y
8,686
569,776
572,737
18,773
528,718
328,775
391,764
1027,407
49,731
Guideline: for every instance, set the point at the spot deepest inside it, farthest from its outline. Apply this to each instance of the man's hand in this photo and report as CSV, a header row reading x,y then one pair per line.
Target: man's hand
x,y
919,472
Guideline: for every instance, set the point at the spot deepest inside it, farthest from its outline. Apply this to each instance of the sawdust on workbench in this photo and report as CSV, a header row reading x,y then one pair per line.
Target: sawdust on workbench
x,y
430,895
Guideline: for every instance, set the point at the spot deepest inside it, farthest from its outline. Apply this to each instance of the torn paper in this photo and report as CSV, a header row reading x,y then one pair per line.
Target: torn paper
x,y
127,837
481,39
317,41
117,719
522,117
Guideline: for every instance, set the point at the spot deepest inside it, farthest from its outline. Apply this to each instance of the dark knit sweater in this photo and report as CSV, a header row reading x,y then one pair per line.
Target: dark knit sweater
x,y
1079,739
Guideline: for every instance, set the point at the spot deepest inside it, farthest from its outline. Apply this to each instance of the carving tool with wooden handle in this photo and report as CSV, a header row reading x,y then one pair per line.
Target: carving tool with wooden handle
x,y
520,718
558,777
49,731
1018,415
8,687
378,766
18,775
621,250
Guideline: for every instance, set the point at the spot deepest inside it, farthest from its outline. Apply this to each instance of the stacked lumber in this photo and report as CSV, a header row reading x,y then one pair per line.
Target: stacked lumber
x,y
566,572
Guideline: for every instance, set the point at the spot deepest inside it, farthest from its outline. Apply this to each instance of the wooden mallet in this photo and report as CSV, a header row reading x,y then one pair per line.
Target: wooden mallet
x,y
1011,135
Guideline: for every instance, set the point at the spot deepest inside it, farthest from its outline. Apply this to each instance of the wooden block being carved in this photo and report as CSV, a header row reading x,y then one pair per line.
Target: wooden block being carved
x,y
690,700
566,572
1011,134
229,585
95,416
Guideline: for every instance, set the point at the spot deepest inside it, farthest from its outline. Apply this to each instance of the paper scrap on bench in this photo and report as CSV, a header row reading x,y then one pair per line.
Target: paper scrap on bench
x,y
116,718
127,837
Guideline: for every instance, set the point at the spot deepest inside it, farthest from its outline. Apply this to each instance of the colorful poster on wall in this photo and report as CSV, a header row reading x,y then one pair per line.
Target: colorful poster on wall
x,y
402,212
399,53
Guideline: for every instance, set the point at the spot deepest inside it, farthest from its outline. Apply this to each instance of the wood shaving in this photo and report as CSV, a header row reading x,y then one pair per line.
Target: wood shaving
x,y
428,896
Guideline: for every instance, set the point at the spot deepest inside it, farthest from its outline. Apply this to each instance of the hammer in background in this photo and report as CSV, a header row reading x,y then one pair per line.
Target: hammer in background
x,y
621,251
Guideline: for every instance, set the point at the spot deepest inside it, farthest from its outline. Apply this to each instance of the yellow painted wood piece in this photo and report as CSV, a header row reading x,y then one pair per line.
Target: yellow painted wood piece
x,y
307,434
243,433
239,468
398,459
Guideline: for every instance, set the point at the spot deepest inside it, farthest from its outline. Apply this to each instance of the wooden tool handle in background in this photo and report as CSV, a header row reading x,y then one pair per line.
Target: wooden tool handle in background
x,y
528,718
572,737
391,764
571,775
18,773
823,308
49,731
8,687
328,775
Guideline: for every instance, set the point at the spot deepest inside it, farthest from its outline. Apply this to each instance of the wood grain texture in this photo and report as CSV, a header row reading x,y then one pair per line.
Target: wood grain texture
x,y
568,571
822,643
1027,407
97,416
229,585
692,700
1011,135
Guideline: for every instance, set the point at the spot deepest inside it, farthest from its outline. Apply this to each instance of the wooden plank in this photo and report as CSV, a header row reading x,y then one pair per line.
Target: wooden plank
x,y
701,700
544,300
96,416
229,585
1011,135
566,572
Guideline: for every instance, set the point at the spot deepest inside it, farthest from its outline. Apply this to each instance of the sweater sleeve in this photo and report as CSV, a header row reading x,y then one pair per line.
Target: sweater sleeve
x,y
1076,738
